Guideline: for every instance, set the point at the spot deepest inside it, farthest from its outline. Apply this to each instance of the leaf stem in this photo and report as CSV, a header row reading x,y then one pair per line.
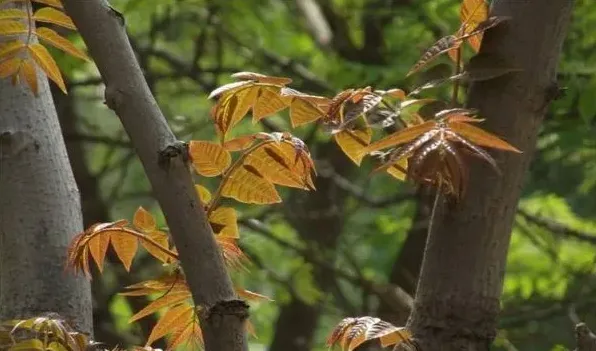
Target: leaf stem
x,y
456,82
30,22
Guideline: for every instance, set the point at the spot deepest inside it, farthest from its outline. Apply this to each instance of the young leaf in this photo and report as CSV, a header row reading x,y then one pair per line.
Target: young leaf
x,y
267,103
441,46
246,184
279,163
261,78
204,194
353,142
58,41
481,137
43,58
6,14
144,221
10,27
8,49
170,299
125,246
29,73
160,238
209,159
472,13
401,137
172,320
240,143
98,246
353,332
51,15
10,67
226,218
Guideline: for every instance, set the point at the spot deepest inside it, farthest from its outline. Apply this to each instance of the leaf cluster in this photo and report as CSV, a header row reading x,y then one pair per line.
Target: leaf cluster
x,y
23,44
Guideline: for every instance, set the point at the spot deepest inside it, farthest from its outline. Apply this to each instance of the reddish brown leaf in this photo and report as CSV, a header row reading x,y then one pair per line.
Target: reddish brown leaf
x,y
481,137
125,246
144,221
443,45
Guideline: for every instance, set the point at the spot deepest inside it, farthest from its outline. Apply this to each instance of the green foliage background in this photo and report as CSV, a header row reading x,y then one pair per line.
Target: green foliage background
x,y
548,271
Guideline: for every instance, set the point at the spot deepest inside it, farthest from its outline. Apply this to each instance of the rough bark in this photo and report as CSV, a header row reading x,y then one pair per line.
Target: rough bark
x,y
319,220
40,211
165,162
457,299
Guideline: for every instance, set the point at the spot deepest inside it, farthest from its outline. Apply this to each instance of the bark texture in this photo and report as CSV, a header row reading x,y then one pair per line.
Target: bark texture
x,y
40,211
165,162
457,299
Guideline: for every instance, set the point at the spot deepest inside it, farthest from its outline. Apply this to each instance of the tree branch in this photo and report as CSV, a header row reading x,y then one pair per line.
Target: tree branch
x,y
557,228
165,162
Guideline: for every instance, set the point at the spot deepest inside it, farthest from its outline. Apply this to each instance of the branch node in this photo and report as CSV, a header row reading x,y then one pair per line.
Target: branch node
x,y
174,150
114,98
237,308
119,16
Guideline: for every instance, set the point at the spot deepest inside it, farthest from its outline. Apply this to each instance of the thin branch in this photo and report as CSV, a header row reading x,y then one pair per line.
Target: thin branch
x,y
166,164
391,294
558,228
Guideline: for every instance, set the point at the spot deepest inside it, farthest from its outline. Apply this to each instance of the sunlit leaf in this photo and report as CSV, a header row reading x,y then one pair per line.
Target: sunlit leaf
x,y
43,58
125,246
143,220
246,184
401,137
240,143
251,296
11,27
261,78
267,103
98,246
481,137
171,320
279,163
6,14
354,142
28,345
8,49
168,300
51,15
51,37
209,159
353,332
10,67
29,73
472,13
204,193
162,240
227,219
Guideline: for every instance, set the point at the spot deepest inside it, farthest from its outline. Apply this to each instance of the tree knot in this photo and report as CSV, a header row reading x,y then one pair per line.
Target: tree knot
x,y
174,150
238,308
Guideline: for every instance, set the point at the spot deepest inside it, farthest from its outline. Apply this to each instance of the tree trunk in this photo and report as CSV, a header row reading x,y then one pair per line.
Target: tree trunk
x,y
165,161
461,281
40,211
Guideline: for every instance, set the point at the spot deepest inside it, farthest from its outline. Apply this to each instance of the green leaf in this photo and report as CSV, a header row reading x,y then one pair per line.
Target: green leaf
x,y
587,102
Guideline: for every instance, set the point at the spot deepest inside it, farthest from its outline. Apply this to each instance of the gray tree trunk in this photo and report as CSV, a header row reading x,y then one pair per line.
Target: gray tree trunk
x,y
40,211
457,299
